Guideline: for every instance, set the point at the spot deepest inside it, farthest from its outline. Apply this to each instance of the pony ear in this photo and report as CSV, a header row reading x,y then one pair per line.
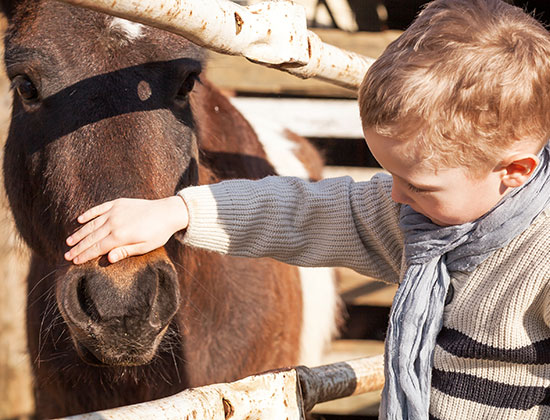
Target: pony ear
x,y
7,7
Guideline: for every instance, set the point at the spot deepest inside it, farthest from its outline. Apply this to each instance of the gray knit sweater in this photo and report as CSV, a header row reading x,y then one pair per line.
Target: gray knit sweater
x,y
492,359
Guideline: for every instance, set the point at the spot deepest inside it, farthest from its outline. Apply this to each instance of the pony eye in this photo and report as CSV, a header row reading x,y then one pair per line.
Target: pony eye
x,y
187,86
25,88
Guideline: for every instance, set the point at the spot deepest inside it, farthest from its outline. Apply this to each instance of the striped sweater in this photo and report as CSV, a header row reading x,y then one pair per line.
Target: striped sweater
x,y
492,359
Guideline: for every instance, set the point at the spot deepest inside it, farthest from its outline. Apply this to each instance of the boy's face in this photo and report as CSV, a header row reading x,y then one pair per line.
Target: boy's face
x,y
447,196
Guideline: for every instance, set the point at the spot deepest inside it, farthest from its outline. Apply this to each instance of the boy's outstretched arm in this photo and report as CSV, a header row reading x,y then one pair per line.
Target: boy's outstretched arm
x,y
333,222
126,227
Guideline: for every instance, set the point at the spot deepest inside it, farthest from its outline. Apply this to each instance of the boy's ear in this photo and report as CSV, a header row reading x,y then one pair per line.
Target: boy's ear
x,y
518,169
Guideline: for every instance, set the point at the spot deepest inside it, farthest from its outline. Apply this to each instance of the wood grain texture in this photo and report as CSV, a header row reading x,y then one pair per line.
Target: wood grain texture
x,y
16,399
236,74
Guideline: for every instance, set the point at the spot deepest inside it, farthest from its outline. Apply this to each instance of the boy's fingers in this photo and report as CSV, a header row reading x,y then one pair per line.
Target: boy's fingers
x,y
94,212
90,247
85,230
126,251
94,251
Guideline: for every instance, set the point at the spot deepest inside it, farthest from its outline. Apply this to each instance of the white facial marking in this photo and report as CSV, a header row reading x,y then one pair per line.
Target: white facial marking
x,y
144,90
130,30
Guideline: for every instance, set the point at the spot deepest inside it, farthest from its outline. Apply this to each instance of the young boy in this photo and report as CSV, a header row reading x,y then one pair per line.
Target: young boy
x,y
458,111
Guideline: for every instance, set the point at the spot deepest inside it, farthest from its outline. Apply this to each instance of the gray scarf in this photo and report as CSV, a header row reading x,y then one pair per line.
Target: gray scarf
x,y
431,252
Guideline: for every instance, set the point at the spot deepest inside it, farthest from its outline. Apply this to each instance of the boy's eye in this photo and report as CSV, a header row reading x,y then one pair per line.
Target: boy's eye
x,y
414,189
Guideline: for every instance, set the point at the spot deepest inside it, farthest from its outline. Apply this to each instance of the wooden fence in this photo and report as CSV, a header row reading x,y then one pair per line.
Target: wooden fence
x,y
289,393
15,379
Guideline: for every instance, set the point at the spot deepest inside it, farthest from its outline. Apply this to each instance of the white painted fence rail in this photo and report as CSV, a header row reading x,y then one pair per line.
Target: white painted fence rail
x,y
272,33
286,394
307,117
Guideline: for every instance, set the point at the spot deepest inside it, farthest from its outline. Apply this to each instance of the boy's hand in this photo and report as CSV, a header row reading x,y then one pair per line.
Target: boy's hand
x,y
126,227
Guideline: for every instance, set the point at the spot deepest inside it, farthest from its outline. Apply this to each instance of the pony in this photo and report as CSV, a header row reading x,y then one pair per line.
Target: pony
x,y
104,108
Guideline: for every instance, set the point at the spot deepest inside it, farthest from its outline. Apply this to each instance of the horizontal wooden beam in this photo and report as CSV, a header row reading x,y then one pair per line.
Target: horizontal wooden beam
x,y
320,118
357,173
356,289
359,405
236,74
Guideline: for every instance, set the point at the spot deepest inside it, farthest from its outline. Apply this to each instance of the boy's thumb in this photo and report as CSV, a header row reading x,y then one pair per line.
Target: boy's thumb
x,y
118,254
122,252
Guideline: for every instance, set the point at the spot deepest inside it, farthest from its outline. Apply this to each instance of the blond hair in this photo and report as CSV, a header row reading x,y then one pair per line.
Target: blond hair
x,y
466,80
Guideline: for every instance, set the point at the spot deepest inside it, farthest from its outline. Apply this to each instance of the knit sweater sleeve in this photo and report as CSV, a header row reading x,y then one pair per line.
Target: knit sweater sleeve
x,y
333,222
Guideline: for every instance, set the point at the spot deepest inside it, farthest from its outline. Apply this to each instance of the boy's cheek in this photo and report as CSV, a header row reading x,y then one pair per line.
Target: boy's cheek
x,y
399,196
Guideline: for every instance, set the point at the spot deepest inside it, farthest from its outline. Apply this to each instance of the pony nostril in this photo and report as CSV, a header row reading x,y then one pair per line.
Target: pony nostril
x,y
84,299
166,300
147,303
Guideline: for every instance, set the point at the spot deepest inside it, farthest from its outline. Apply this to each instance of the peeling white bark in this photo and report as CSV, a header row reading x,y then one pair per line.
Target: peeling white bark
x,y
268,396
272,33
275,395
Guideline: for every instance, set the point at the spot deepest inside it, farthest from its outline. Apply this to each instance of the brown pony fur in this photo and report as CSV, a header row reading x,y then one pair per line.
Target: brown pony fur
x,y
113,117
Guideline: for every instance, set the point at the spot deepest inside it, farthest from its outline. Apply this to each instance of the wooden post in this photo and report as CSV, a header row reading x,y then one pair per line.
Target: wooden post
x,y
339,380
16,399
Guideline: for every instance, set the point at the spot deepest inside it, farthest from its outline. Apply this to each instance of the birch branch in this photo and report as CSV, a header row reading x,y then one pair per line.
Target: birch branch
x,y
287,394
272,33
